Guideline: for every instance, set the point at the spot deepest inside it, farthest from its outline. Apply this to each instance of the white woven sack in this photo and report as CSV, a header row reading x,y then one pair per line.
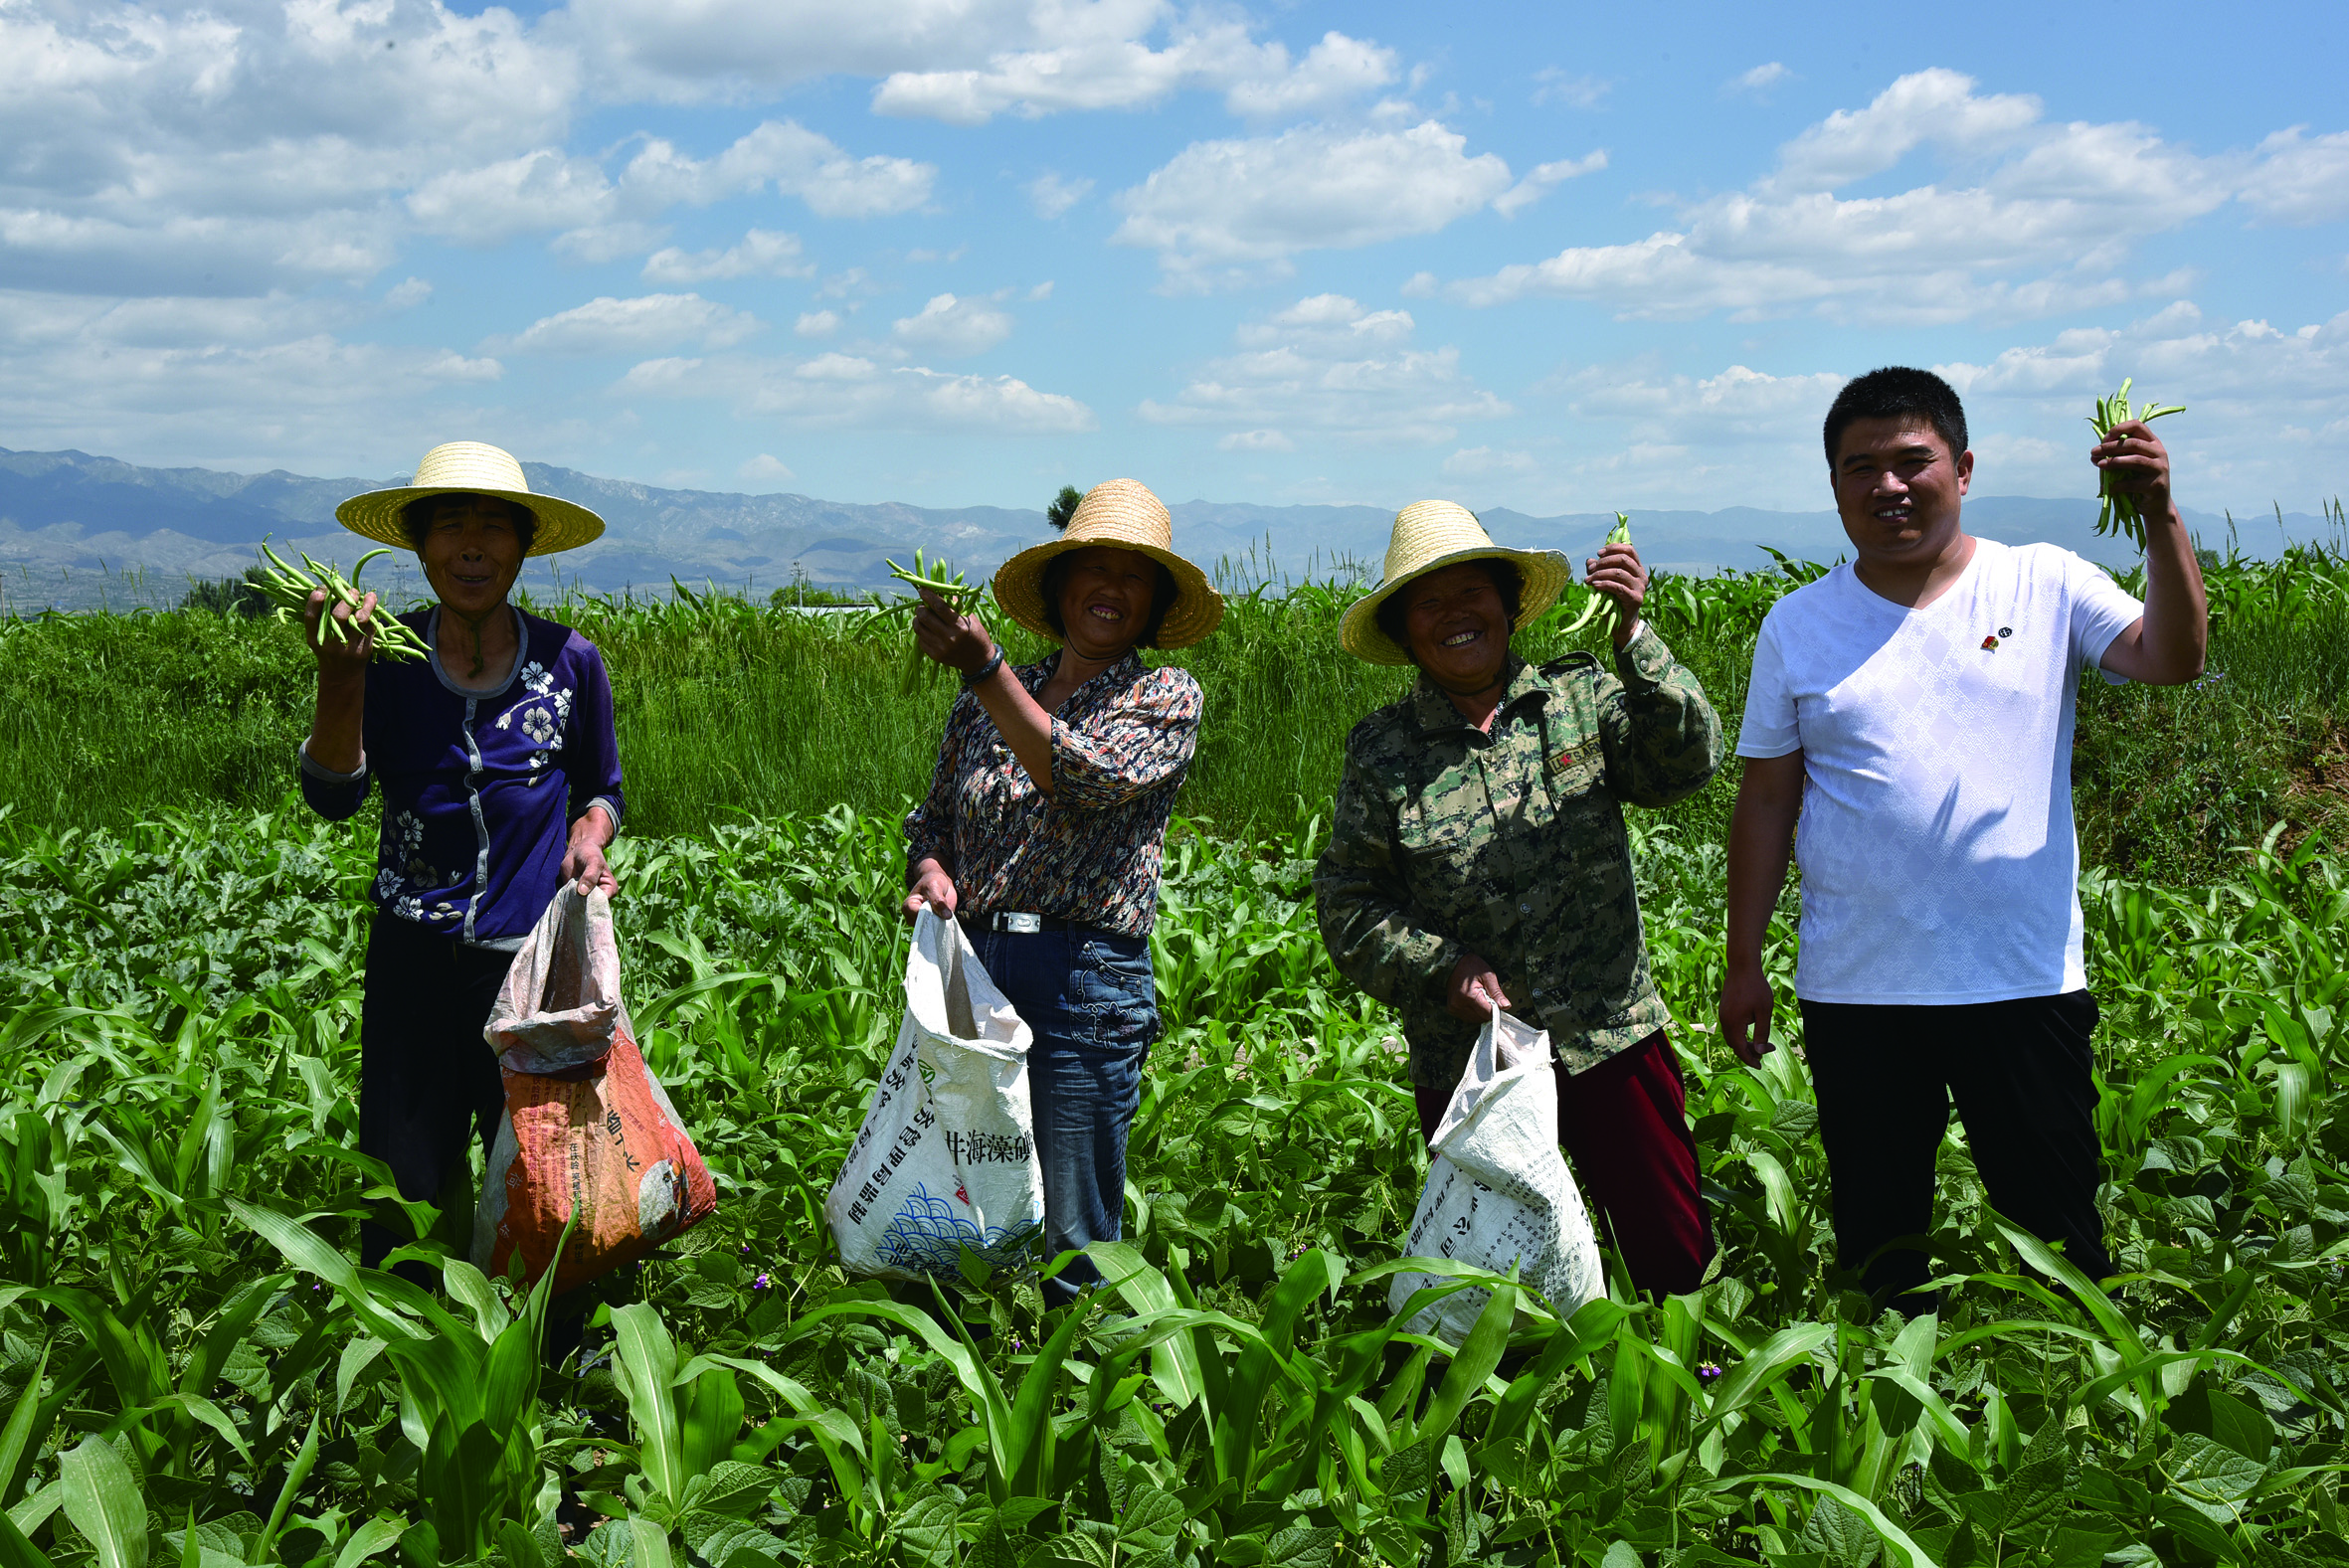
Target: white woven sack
x,y
1497,1190
947,1158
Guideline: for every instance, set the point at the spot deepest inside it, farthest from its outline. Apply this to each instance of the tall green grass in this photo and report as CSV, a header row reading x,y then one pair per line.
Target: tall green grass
x,y
727,708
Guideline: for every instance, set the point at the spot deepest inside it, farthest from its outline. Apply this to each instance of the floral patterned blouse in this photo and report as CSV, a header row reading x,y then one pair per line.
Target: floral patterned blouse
x,y
479,788
1090,852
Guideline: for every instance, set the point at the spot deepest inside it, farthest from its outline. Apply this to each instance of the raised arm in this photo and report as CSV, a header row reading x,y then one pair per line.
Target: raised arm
x,y
2165,646
334,756
1661,736
1761,842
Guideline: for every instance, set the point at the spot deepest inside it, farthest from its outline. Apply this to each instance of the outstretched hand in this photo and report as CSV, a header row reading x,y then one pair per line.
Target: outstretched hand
x,y
960,643
349,653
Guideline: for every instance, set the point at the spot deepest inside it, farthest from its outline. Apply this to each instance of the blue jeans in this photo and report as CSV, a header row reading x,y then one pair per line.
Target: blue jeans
x,y
1088,997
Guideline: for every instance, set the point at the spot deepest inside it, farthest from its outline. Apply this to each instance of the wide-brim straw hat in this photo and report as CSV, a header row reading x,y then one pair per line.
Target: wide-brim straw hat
x,y
1428,537
1124,515
470,468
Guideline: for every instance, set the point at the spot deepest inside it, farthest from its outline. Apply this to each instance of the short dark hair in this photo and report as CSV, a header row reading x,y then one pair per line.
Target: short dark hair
x,y
1162,594
419,516
1896,392
1507,582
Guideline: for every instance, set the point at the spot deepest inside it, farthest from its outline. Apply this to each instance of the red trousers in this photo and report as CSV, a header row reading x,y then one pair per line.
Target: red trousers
x,y
1625,1125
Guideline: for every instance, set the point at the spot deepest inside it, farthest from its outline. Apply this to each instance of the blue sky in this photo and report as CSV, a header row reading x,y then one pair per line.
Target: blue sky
x,y
959,252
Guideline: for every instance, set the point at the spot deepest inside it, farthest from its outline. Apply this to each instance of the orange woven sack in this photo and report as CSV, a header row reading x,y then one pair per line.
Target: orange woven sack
x,y
587,1129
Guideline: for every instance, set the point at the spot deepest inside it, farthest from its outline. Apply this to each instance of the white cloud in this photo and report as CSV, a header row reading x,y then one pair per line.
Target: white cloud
x,y
953,326
817,323
849,391
1529,190
718,47
409,293
1326,364
2300,181
1041,291
263,381
1051,195
1332,322
1757,80
531,194
762,253
600,243
1738,402
1575,91
1481,462
1333,71
765,468
2044,227
1239,208
2266,407
1420,286
1936,105
1255,441
606,325
238,147
852,280
545,189
1098,58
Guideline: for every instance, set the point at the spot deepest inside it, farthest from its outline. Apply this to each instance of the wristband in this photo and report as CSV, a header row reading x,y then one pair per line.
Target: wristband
x,y
983,670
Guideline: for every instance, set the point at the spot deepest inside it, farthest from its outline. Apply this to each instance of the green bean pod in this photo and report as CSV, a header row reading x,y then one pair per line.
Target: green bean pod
x,y
1620,534
2119,512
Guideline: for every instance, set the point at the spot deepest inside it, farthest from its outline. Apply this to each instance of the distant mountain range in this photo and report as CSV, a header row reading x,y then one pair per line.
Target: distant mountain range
x,y
72,525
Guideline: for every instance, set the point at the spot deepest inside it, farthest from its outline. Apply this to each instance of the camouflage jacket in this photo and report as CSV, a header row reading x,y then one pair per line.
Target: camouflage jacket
x,y
1511,845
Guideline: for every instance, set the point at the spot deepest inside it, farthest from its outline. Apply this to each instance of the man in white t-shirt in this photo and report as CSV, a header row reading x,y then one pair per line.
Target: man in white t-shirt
x,y
1914,709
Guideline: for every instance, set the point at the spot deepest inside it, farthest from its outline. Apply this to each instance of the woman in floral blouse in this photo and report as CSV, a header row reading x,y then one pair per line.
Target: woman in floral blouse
x,y
1045,821
500,780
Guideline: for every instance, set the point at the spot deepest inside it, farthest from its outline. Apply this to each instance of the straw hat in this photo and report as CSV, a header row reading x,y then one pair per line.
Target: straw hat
x,y
470,468
1429,536
1124,514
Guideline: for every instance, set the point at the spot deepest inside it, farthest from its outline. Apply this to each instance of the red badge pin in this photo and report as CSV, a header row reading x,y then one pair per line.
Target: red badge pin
x,y
1990,644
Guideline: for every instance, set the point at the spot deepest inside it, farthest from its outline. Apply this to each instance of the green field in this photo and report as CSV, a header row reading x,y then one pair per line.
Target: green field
x,y
730,710
192,1370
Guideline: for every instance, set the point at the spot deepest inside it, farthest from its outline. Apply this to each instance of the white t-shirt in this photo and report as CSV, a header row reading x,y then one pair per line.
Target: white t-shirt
x,y
1939,859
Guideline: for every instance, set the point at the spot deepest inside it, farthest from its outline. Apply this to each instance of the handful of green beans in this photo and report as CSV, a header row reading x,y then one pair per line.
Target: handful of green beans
x,y
960,597
1601,603
291,588
2119,513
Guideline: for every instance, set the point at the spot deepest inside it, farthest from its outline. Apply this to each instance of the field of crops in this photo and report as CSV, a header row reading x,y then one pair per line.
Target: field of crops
x,y
192,1370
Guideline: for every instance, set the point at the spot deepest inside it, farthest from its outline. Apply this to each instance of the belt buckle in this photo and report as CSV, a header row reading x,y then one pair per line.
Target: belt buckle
x,y
1020,924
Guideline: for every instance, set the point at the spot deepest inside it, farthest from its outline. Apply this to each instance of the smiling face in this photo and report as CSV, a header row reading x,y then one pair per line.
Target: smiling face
x,y
1105,599
473,553
1898,489
1456,626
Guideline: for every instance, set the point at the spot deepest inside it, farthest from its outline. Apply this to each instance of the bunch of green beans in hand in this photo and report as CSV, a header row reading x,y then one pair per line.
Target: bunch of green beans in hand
x,y
1599,602
960,597
290,588
2119,513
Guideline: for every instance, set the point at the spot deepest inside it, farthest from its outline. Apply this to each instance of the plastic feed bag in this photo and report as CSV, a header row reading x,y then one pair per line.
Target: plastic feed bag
x,y
587,1127
945,1158
1497,1190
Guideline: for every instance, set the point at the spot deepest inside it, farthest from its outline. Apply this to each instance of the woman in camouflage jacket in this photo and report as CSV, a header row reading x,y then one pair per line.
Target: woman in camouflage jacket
x,y
1478,859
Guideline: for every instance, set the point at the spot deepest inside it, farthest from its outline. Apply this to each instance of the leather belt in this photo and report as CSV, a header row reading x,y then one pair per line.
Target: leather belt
x,y
1018,923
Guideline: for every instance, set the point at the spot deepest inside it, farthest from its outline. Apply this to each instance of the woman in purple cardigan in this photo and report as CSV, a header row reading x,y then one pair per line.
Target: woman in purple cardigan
x,y
500,778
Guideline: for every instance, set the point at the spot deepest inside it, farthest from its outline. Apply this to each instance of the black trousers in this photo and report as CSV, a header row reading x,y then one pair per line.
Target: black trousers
x,y
427,1081
2020,1072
